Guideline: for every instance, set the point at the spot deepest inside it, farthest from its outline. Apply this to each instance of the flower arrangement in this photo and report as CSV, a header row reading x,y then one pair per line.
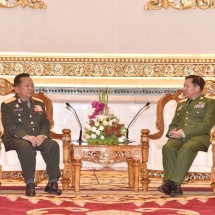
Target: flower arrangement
x,y
103,127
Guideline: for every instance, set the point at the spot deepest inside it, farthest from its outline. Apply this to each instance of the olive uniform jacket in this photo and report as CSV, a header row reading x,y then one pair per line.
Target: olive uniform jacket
x,y
196,120
19,120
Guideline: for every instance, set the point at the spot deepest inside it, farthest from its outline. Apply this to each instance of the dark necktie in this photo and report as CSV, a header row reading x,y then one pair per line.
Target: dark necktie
x,y
188,102
27,103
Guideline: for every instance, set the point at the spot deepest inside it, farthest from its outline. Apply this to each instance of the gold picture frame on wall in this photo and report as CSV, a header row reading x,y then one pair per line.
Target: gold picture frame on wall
x,y
179,5
23,3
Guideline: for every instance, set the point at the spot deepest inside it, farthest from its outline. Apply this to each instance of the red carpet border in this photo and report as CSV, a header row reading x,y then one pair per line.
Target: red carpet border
x,y
108,194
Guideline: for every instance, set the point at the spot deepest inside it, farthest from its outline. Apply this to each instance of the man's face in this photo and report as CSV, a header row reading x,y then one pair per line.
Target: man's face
x,y
25,89
190,90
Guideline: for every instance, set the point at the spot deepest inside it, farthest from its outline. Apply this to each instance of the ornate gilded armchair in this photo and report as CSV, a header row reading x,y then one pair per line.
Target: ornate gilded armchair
x,y
9,163
203,167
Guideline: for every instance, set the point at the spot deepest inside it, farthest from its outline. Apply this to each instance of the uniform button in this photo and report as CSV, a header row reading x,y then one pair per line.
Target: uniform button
x,y
32,122
33,129
185,124
30,116
187,111
197,112
19,114
20,120
186,117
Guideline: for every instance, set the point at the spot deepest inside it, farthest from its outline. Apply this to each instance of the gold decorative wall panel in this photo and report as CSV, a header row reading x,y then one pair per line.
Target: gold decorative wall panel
x,y
180,5
131,70
23,3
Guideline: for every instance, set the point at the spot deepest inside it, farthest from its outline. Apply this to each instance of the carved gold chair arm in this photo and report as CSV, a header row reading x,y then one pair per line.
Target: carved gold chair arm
x,y
67,171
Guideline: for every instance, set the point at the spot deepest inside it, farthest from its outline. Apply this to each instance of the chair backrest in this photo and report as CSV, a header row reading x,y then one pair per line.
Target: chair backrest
x,y
208,90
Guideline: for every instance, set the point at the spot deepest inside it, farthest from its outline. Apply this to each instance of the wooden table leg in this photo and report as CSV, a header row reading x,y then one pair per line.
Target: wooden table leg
x,y
136,169
130,172
77,174
73,171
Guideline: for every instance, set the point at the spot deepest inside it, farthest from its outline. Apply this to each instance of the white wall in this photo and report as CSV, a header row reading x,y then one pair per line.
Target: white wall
x,y
106,26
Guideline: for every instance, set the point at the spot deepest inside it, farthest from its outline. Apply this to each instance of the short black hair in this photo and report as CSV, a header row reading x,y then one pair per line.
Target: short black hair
x,y
17,79
197,80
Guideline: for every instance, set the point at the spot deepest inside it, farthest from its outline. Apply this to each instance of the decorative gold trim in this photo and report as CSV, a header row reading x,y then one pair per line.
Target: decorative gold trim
x,y
184,4
31,3
107,70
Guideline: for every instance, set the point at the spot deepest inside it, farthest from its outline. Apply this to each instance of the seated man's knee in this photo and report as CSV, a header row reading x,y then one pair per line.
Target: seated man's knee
x,y
25,146
167,145
54,145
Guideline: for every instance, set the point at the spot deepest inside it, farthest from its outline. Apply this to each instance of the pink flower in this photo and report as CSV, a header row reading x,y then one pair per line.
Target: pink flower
x,y
98,106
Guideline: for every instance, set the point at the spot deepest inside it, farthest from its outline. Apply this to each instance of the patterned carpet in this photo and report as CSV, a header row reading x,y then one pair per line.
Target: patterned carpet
x,y
105,192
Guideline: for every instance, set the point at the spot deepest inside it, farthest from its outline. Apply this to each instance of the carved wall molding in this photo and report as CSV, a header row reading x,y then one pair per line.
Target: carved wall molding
x,y
23,3
179,5
126,70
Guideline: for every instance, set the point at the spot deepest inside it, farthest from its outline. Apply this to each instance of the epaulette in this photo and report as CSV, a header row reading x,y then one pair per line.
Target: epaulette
x,y
40,100
183,100
209,97
10,100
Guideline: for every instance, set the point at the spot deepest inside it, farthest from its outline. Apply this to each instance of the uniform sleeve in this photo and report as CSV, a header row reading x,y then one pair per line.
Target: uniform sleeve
x,y
45,124
174,123
8,124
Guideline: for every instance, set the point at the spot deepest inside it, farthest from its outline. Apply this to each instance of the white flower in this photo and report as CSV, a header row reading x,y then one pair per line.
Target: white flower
x,y
110,123
101,128
93,129
101,117
87,126
121,139
105,123
93,136
96,123
98,132
102,137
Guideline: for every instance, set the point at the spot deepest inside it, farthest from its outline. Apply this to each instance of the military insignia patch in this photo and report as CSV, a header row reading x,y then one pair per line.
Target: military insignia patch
x,y
38,108
200,105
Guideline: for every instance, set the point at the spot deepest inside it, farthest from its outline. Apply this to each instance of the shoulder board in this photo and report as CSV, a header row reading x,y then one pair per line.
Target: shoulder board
x,y
34,98
183,100
209,97
10,100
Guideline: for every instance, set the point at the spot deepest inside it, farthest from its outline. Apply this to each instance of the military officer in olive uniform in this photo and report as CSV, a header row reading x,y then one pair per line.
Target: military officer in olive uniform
x,y
26,130
188,133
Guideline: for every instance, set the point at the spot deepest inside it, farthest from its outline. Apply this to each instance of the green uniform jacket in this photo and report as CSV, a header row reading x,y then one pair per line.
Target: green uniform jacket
x,y
19,120
195,120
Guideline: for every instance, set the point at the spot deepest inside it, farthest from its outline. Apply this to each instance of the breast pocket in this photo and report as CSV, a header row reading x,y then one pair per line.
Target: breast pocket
x,y
198,113
37,116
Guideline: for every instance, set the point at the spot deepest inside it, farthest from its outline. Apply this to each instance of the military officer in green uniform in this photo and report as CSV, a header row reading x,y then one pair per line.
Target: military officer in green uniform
x,y
26,130
188,133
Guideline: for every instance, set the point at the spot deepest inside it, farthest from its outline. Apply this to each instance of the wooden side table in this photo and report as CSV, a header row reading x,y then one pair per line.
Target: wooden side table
x,y
106,154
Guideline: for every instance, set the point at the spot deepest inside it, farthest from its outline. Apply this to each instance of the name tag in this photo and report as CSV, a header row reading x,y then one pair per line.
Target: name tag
x,y
18,109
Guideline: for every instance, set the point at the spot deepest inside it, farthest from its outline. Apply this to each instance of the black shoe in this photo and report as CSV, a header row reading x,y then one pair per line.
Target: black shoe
x,y
165,188
30,190
52,188
176,192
